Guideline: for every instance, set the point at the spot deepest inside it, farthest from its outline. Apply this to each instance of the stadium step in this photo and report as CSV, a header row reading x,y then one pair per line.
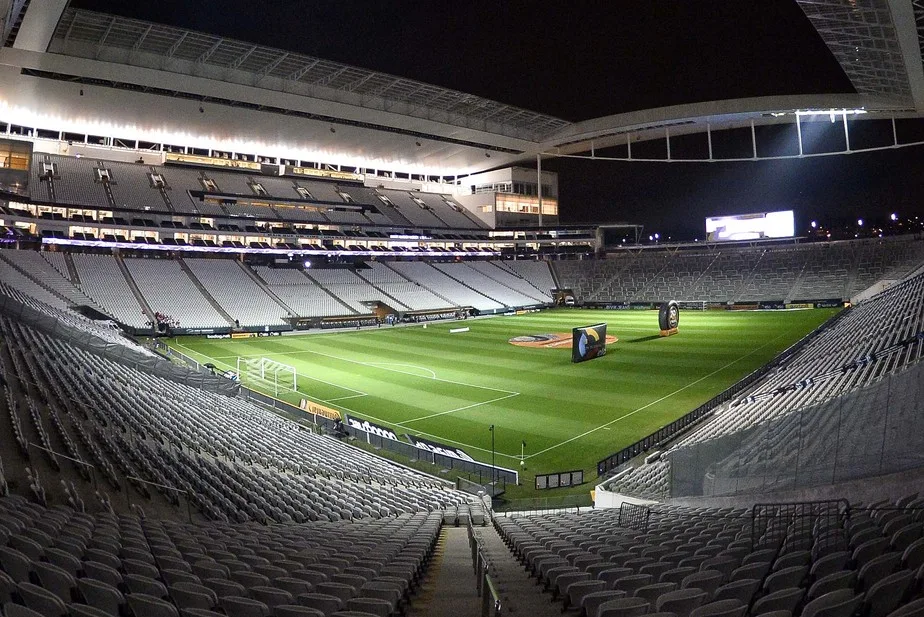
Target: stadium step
x,y
448,587
421,283
349,310
518,592
262,285
71,269
38,281
134,287
204,292
464,284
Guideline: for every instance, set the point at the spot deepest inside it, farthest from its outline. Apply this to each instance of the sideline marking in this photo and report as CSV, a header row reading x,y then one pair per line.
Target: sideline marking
x,y
654,402
362,414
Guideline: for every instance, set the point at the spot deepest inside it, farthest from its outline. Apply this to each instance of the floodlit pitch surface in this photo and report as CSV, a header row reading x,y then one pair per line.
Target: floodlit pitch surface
x,y
452,387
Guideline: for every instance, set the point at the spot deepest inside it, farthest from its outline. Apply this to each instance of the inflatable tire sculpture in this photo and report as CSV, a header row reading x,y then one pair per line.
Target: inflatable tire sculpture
x,y
669,316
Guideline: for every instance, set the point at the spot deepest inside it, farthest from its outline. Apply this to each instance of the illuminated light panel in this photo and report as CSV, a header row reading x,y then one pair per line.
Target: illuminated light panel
x,y
30,117
253,251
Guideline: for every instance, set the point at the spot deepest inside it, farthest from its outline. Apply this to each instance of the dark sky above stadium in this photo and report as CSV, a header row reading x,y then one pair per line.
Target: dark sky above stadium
x,y
575,60
584,59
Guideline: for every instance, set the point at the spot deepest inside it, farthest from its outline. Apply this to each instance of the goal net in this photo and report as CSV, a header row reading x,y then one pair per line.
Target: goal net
x,y
268,373
691,305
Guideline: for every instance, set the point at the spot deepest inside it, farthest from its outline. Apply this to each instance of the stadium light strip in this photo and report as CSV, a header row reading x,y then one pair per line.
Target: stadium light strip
x,y
831,112
171,248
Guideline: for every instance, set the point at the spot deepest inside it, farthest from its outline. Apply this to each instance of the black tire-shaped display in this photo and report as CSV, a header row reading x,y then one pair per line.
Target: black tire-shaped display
x,y
669,315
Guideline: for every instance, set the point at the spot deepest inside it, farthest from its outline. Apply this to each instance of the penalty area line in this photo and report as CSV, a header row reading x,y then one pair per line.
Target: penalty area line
x,y
380,366
443,413
384,422
220,360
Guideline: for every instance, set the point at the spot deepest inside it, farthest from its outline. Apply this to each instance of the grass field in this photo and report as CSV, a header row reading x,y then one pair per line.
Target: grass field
x,y
452,387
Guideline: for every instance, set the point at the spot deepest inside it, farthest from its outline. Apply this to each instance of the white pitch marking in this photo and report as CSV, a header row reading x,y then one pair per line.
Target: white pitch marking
x,y
363,414
318,379
655,402
420,368
384,368
343,398
443,413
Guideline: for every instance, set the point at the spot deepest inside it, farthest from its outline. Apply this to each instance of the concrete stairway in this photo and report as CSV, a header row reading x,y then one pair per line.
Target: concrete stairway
x,y
448,587
519,594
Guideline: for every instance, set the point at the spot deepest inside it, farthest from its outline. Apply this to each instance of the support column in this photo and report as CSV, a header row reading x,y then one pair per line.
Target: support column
x,y
709,139
846,132
753,141
667,138
539,184
799,132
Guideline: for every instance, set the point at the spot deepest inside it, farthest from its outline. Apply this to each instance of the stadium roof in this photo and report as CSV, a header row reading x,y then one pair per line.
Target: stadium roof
x,y
877,42
132,41
273,101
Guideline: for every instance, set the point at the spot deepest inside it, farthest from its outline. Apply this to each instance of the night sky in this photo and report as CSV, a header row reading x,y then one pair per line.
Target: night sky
x,y
583,59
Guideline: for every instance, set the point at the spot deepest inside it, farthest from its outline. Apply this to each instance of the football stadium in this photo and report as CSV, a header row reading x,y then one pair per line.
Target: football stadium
x,y
281,335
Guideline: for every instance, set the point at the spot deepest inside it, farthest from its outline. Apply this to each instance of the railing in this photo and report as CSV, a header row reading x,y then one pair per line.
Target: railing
x,y
178,491
124,487
489,598
665,434
538,505
771,523
91,468
868,431
474,471
635,517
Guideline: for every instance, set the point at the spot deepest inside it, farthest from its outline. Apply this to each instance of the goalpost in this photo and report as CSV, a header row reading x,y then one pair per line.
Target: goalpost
x,y
281,377
692,305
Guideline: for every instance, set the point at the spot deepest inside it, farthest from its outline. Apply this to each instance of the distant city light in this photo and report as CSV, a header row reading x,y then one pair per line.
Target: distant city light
x,y
894,216
860,222
650,238
657,237
307,264
814,224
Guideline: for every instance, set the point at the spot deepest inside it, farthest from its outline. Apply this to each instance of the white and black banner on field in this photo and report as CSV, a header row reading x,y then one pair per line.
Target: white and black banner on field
x,y
424,449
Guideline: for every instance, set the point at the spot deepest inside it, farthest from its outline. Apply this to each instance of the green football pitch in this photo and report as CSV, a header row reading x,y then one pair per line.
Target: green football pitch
x,y
451,387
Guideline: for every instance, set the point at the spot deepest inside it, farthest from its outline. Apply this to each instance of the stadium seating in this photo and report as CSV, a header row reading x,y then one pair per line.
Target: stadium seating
x,y
784,273
241,297
445,286
233,460
302,294
408,293
726,561
351,289
844,361
168,289
102,280
129,188
101,564
475,279
536,273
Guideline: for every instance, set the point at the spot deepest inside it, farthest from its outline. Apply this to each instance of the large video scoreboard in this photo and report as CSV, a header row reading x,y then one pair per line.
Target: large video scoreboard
x,y
751,226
